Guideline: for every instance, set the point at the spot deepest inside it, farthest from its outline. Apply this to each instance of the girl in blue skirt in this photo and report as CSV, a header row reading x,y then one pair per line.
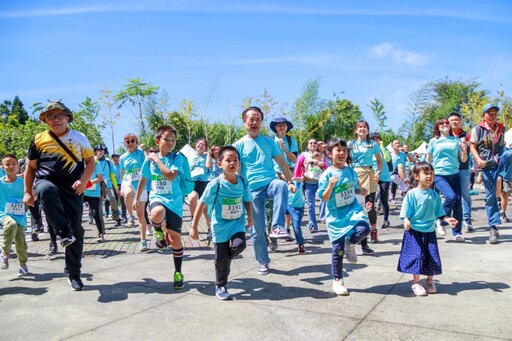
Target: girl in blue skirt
x,y
420,209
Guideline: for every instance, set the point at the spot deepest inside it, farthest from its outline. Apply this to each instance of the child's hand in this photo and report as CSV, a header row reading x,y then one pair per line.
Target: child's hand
x,y
363,191
333,181
291,188
193,233
250,222
407,224
28,199
135,205
452,221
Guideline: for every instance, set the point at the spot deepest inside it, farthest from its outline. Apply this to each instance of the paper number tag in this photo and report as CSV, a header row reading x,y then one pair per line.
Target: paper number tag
x,y
231,208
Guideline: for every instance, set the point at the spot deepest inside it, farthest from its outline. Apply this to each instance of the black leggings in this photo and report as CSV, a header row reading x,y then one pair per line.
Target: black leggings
x,y
224,253
384,195
95,208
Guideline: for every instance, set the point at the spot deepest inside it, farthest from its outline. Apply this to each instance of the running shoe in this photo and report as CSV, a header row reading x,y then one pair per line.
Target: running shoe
x,y
279,232
66,241
469,227
366,250
263,269
178,281
222,293
302,249
494,235
160,239
418,289
440,228
338,286
272,246
5,261
23,271
76,283
143,246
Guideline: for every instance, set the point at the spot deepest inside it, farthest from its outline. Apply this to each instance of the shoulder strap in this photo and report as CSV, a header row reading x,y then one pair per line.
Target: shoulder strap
x,y
217,191
66,149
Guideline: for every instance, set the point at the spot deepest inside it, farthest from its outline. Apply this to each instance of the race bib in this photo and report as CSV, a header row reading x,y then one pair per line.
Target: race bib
x,y
314,173
15,207
344,194
197,171
133,175
161,185
231,208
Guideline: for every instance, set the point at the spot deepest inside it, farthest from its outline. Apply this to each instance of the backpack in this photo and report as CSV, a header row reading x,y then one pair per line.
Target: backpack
x,y
185,178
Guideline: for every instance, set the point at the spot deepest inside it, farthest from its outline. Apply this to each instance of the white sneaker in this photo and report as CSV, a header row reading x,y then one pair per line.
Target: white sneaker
x,y
469,227
458,238
351,254
222,293
440,228
338,286
23,271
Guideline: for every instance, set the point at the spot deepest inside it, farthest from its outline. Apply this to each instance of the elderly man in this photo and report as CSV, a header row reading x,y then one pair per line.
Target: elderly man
x,y
61,162
257,153
487,144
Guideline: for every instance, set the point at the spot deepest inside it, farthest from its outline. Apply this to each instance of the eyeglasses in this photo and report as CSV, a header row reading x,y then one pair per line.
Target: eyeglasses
x,y
129,141
444,123
312,142
52,117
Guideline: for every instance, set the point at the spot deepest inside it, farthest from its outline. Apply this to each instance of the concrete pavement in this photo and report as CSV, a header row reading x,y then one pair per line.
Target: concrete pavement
x,y
129,294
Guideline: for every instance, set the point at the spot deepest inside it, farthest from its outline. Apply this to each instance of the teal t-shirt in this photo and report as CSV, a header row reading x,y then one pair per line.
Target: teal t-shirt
x,y
11,200
198,170
362,152
131,163
423,207
292,147
445,154
398,159
227,200
296,199
106,168
95,190
117,173
343,211
164,191
385,175
256,156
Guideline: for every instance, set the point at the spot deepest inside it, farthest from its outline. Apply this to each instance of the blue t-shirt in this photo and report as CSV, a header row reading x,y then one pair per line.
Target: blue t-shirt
x,y
256,157
398,159
198,169
95,190
423,207
164,191
2,172
106,168
385,175
117,173
296,199
445,154
343,211
292,147
228,214
215,171
505,165
362,152
131,163
11,200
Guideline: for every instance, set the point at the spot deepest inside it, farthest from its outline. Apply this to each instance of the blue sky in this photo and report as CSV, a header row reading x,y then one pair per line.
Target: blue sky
x,y
366,49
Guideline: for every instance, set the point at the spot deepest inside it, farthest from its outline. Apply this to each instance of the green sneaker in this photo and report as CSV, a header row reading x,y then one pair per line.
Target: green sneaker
x,y
160,239
178,280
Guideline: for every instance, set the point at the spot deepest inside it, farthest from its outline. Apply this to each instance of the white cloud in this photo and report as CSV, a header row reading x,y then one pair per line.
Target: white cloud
x,y
389,51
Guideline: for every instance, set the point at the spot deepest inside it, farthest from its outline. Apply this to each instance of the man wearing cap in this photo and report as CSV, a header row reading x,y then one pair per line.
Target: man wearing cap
x,y
487,144
455,120
56,170
384,178
257,153
109,186
289,147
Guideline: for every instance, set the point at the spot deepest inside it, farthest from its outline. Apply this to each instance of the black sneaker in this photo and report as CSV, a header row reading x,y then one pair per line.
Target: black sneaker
x,y
35,237
503,218
66,241
302,250
367,251
118,223
76,283
53,248
178,281
385,224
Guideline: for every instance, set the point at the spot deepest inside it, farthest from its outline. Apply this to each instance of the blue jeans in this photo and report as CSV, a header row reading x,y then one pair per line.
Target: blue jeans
x,y
310,191
296,214
361,231
321,213
449,186
466,196
278,191
489,177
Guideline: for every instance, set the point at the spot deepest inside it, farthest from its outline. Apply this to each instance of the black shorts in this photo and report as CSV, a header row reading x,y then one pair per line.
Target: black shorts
x,y
172,220
200,186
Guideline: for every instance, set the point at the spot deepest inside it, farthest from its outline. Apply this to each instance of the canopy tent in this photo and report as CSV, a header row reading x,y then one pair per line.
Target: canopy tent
x,y
508,137
422,149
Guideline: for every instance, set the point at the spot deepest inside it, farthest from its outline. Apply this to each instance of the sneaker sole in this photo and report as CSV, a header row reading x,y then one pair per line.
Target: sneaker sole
x,y
279,236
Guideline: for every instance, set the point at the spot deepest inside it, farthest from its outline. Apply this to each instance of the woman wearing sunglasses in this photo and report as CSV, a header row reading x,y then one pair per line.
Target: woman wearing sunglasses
x,y
444,153
131,164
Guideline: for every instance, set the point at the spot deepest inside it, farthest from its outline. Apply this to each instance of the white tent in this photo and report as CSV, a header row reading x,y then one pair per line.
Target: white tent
x,y
422,149
508,137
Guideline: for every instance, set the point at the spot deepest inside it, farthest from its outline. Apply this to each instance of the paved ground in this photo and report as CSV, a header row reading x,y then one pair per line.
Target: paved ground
x,y
128,294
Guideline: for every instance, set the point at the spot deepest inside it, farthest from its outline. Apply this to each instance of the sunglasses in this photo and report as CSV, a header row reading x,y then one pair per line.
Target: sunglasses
x,y
130,141
52,117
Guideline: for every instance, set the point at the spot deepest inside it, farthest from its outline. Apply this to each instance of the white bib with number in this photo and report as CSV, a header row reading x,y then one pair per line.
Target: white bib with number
x,y
231,208
344,194
161,185
15,207
197,171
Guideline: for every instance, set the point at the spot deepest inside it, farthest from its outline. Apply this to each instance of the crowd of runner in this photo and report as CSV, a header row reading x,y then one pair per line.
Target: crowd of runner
x,y
259,184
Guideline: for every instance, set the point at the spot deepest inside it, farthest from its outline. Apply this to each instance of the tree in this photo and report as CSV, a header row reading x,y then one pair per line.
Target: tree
x,y
14,108
110,118
267,104
135,93
85,120
378,111
187,111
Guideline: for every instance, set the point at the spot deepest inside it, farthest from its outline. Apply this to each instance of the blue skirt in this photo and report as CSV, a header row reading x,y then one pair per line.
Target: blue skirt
x,y
420,254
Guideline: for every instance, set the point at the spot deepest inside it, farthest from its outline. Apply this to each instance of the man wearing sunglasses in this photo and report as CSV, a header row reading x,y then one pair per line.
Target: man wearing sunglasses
x,y
60,164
